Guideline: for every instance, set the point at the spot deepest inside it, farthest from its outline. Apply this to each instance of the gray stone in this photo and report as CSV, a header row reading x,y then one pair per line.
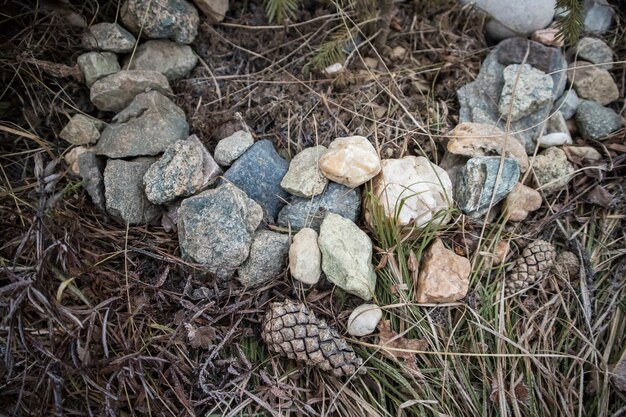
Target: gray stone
x,y
147,126
109,37
592,82
304,177
567,104
232,147
215,228
164,19
114,92
173,60
310,212
593,50
91,168
96,65
481,184
598,16
213,9
347,256
552,171
596,121
525,90
123,189
82,130
258,172
268,254
185,168
557,124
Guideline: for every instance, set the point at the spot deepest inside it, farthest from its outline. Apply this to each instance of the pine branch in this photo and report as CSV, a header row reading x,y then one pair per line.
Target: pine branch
x,y
279,10
570,23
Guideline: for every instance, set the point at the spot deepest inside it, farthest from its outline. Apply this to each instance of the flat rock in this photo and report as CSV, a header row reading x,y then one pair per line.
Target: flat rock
x,y
215,228
232,147
592,82
171,59
164,19
567,104
364,319
598,16
480,185
525,90
593,50
123,188
258,172
304,177
552,171
213,9
347,256
268,254
301,212
184,169
147,126
91,169
82,130
413,190
96,65
350,161
108,37
444,276
114,92
305,258
520,201
548,37
596,121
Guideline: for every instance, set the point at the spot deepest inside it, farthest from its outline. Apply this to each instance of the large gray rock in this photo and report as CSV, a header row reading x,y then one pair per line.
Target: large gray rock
x,y
123,188
598,16
347,256
82,130
96,65
232,147
525,90
173,60
596,121
482,184
164,19
593,50
258,172
310,212
147,126
91,168
185,168
114,92
215,228
304,177
552,171
108,37
268,254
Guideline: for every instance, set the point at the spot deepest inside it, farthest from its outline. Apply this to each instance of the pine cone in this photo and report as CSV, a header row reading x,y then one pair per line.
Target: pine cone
x,y
290,329
534,262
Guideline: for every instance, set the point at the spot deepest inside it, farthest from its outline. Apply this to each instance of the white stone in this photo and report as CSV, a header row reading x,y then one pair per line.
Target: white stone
x,y
232,147
555,139
350,161
333,70
304,177
364,319
305,258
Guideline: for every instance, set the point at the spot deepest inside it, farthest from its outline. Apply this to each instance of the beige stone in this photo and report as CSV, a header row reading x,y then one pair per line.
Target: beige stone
x,y
444,277
364,319
552,171
71,158
592,82
215,9
520,201
585,153
350,161
304,177
548,37
371,63
479,139
305,258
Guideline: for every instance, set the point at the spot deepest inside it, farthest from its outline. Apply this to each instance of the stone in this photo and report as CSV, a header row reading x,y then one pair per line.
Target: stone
x,y
123,189
258,172
109,37
595,121
398,53
114,92
520,201
71,158
478,139
350,161
232,147
214,9
593,50
184,169
147,126
413,190
364,319
268,254
304,178
548,37
583,153
305,258
598,16
525,90
557,124
215,228
567,104
347,256
82,130
164,19
592,82
91,169
96,65
444,276
171,59
333,70
301,212
552,171
555,139
481,184
370,62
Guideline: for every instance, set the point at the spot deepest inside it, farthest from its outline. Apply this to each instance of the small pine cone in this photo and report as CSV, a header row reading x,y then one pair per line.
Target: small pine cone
x,y
290,329
534,262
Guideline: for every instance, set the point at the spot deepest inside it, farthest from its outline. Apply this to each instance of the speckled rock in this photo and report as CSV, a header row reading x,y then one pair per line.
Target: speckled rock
x,y
96,65
552,171
164,19
593,50
268,254
364,319
114,92
444,276
525,90
592,82
108,37
350,161
304,177
232,147
595,121
305,258
520,201
82,130
91,169
171,59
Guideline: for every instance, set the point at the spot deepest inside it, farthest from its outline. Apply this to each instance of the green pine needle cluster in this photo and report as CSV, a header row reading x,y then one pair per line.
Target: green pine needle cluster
x,y
570,23
279,10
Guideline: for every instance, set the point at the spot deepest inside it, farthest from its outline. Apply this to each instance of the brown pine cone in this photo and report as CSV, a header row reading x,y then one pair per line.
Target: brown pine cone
x,y
534,262
290,329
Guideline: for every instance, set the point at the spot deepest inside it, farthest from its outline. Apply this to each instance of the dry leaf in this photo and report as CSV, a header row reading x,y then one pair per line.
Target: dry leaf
x,y
200,337
399,347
